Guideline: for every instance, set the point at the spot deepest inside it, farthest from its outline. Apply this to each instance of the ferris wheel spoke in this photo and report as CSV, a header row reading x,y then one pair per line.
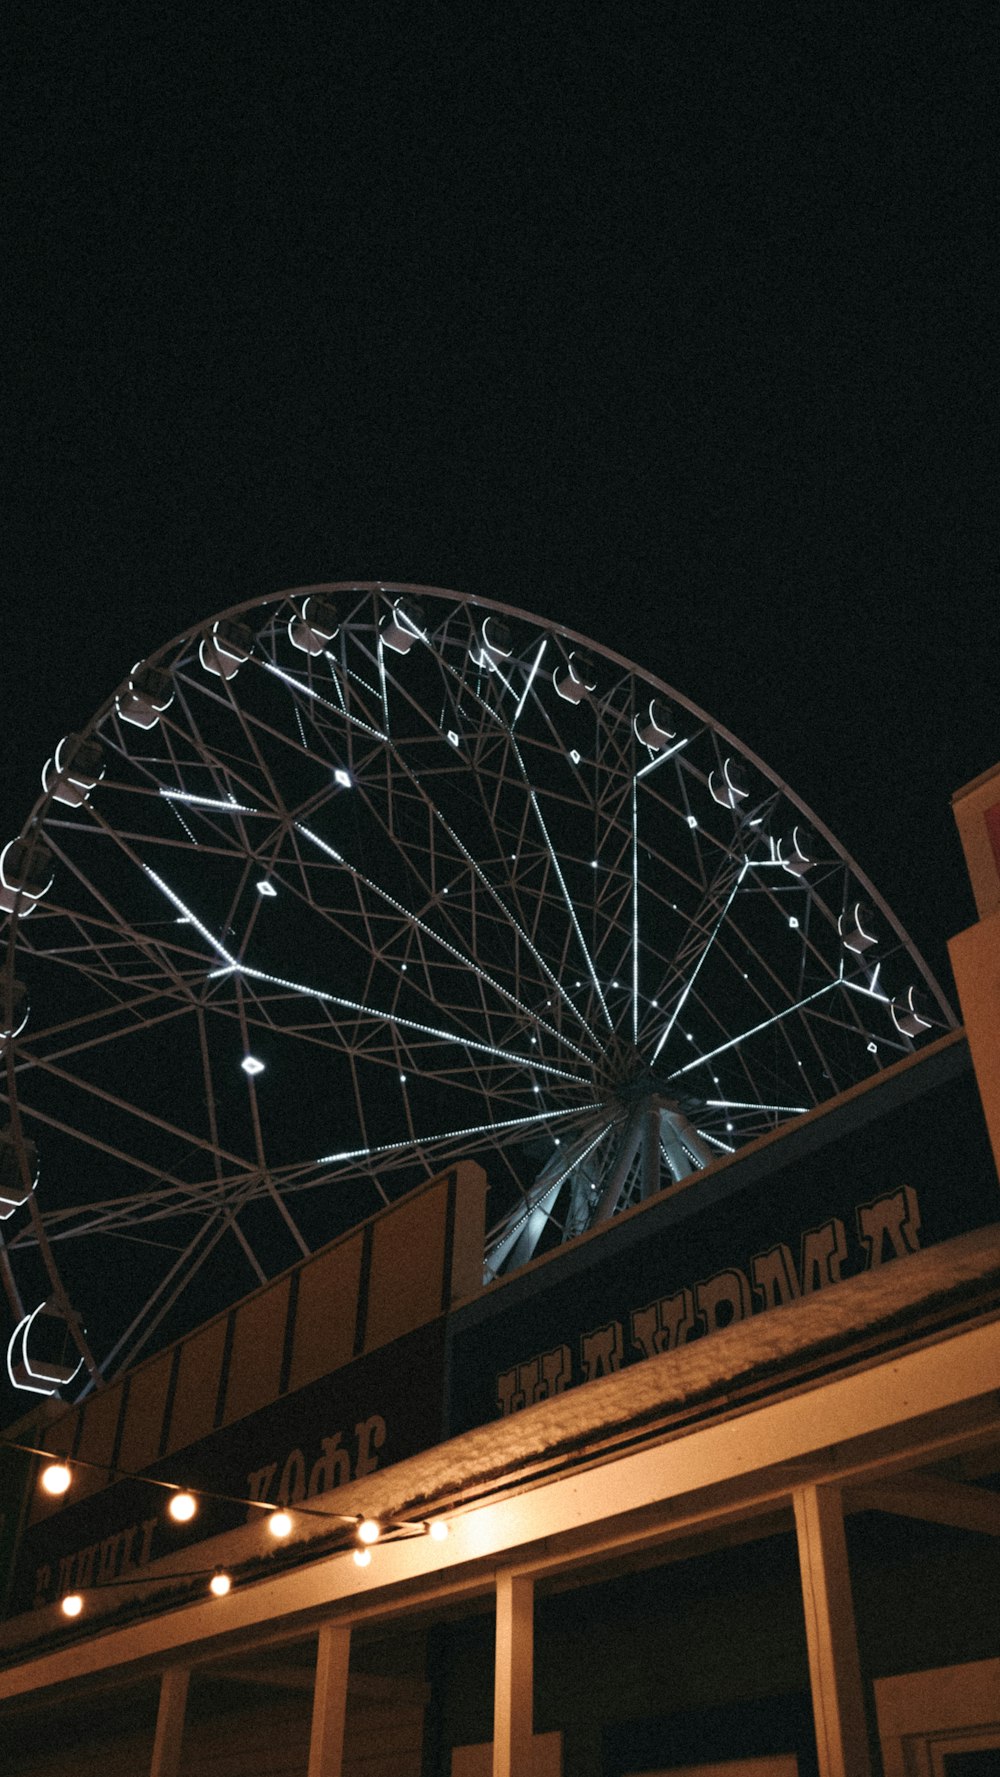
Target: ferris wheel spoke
x,y
745,1035
430,1142
699,964
383,1015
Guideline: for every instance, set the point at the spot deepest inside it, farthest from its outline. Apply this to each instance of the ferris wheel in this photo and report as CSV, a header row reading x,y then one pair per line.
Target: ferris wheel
x,y
357,880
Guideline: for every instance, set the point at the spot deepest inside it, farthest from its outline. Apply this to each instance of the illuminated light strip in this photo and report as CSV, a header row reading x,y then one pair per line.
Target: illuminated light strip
x,y
871,993
716,1143
427,1030
684,996
176,901
383,682
661,758
531,680
328,657
427,1141
635,913
307,691
183,823
754,1031
739,1104
459,955
208,802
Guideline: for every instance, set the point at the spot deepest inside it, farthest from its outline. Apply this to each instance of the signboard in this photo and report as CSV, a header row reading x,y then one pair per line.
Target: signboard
x,y
887,1170
339,1428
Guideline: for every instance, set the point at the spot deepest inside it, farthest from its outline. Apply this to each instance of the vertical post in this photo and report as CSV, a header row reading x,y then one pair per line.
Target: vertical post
x,y
333,1660
170,1722
834,1666
514,1690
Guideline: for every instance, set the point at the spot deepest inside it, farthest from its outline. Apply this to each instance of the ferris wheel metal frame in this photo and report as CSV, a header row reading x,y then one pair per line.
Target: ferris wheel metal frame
x,y
356,879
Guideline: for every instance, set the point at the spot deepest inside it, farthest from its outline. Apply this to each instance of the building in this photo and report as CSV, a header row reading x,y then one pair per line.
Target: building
x,y
769,1551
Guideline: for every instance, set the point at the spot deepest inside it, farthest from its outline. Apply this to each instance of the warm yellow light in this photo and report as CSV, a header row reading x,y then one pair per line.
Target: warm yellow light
x,y
438,1530
182,1507
369,1530
219,1584
56,1478
363,1557
72,1604
279,1524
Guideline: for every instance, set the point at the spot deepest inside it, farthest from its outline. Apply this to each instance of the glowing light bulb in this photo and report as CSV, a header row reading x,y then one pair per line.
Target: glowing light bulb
x,y
279,1524
56,1478
362,1557
72,1604
369,1530
438,1529
219,1584
183,1507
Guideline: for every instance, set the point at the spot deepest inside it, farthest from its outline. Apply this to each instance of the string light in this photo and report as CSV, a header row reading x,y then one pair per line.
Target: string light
x,y
56,1477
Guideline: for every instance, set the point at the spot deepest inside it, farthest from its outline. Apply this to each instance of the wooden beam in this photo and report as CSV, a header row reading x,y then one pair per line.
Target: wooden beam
x,y
166,1761
931,1498
834,1667
514,1690
329,1717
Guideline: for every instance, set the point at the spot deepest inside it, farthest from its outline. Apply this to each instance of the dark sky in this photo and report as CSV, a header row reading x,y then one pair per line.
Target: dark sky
x,y
671,322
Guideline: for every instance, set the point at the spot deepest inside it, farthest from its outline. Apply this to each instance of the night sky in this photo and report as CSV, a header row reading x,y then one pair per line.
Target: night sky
x,y
669,323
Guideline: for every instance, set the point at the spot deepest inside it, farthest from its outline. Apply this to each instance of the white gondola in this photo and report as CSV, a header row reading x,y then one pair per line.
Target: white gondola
x,y
14,1019
147,693
42,1367
579,678
314,629
225,648
493,644
25,875
14,1190
911,1014
74,770
857,927
730,786
797,851
406,625
658,727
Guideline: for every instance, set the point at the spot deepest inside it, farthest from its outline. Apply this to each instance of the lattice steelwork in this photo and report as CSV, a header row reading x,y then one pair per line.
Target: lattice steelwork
x,y
362,878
